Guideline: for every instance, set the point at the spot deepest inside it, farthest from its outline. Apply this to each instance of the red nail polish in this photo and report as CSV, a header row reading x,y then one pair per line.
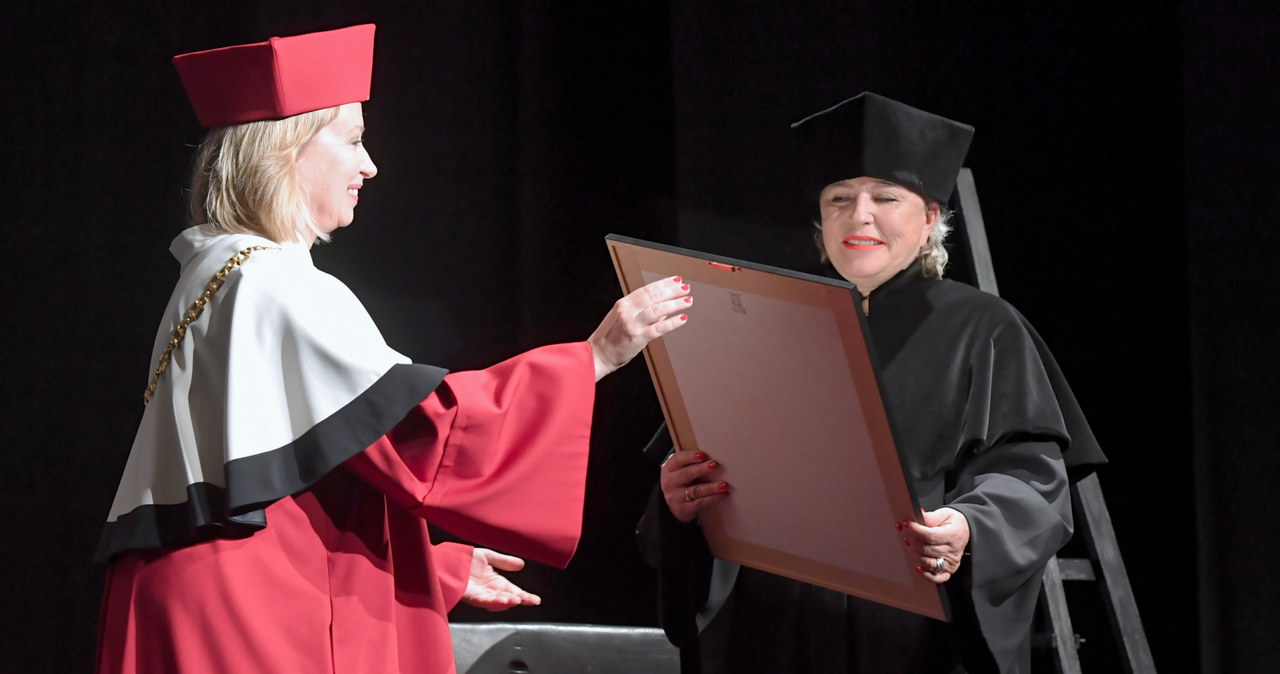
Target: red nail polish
x,y
723,486
676,279
898,526
688,300
711,465
919,570
906,542
683,317
699,456
684,287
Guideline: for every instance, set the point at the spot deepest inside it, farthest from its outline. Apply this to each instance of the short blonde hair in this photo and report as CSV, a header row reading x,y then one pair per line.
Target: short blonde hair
x,y
245,179
934,256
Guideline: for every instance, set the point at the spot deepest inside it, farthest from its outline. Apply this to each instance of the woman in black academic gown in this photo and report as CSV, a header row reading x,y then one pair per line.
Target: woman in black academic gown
x,y
987,427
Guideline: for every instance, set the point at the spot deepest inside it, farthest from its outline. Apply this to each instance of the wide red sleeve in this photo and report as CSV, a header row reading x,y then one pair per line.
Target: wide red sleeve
x,y
497,456
452,562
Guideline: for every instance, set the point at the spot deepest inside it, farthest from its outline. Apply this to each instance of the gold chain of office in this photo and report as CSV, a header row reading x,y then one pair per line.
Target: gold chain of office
x,y
193,313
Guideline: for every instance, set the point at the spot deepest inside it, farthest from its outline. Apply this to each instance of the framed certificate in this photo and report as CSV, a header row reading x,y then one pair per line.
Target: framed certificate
x,y
773,377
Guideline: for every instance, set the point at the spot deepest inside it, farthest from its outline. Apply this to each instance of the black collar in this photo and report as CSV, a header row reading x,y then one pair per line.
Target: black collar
x,y
903,279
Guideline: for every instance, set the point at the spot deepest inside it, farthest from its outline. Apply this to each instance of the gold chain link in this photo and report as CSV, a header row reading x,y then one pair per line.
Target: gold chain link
x,y
193,312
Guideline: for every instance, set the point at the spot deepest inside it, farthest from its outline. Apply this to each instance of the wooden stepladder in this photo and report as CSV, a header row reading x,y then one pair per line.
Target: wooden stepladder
x,y
1103,565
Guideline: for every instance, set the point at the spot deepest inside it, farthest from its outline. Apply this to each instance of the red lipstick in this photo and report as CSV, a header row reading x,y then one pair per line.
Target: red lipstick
x,y
862,243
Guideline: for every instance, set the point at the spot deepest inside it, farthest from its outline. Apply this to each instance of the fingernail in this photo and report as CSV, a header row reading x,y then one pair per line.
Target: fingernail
x,y
684,287
723,486
676,279
688,300
711,465
684,317
919,570
898,526
699,456
906,542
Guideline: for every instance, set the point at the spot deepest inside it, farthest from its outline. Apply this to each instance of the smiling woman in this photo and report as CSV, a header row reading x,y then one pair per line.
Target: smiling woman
x,y
332,168
985,425
873,229
272,515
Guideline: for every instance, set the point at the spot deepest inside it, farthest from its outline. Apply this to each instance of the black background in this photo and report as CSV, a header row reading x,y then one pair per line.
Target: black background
x,y
1125,156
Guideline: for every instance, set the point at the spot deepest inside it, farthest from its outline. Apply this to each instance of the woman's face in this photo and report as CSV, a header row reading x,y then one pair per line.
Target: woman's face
x,y
333,166
873,229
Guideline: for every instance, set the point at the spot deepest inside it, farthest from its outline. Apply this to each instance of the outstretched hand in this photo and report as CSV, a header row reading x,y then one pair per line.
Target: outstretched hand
x,y
490,590
943,536
637,319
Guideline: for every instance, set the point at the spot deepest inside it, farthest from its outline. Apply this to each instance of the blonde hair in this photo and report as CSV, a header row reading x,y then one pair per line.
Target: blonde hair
x,y
933,256
245,179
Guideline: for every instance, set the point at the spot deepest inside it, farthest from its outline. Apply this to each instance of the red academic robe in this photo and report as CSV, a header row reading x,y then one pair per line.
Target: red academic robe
x,y
344,577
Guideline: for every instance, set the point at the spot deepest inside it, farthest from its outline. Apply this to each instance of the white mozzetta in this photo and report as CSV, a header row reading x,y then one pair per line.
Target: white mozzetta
x,y
281,347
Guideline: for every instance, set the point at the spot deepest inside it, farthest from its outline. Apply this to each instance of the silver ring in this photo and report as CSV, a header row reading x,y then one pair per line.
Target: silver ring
x,y
939,565
688,498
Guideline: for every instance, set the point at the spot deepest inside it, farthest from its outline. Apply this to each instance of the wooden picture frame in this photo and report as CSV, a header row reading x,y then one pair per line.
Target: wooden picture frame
x,y
773,377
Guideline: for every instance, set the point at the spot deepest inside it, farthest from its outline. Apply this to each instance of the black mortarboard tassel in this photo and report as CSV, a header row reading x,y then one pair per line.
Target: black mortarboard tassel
x,y
870,135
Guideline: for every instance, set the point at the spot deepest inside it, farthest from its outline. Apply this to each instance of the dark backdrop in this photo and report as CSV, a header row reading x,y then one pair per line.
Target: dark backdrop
x,y
1125,157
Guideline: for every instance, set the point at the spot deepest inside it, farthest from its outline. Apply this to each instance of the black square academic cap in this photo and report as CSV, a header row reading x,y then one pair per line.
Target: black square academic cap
x,y
870,135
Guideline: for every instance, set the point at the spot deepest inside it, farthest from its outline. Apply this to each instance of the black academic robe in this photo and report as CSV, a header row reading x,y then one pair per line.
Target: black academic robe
x,y
985,424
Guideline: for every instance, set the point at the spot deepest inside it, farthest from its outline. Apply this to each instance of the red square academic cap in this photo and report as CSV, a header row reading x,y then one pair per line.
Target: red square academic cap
x,y
278,78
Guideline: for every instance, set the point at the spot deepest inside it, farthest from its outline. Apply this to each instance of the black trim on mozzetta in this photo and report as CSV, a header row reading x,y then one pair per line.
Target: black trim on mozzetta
x,y
253,482
202,517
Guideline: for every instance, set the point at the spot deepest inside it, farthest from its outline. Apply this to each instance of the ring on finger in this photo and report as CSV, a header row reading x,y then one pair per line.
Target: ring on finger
x,y
688,495
939,565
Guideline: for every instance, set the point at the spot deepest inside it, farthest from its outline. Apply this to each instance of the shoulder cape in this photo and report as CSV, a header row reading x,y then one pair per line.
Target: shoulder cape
x,y
971,366
281,379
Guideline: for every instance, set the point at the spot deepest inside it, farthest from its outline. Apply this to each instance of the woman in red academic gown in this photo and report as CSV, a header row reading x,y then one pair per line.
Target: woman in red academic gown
x,y
272,516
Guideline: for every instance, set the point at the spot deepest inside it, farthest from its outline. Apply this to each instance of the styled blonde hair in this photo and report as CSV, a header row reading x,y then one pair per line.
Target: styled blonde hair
x,y
934,257
245,179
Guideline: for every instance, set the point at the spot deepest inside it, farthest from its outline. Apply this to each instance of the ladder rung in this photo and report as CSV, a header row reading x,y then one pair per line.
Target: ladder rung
x,y
1076,569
